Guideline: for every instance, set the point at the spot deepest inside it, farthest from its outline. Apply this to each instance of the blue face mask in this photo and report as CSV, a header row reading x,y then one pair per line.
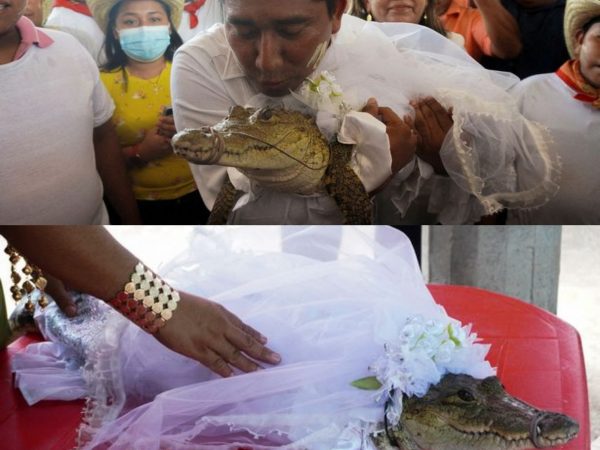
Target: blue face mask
x,y
145,44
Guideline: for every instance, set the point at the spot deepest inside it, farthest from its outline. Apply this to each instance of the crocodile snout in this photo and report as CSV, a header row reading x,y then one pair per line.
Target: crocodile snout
x,y
200,146
549,429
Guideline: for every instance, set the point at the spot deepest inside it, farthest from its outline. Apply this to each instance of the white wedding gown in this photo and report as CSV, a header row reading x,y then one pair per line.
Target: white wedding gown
x,y
328,299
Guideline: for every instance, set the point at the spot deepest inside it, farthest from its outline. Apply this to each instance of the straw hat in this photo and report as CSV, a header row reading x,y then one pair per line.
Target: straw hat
x,y
46,8
577,14
101,9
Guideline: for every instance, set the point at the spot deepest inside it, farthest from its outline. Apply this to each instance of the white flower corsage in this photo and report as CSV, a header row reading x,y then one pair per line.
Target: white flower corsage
x,y
423,353
325,96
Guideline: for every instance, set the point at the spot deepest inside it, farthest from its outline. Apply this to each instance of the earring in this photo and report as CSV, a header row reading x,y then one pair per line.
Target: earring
x,y
33,279
369,17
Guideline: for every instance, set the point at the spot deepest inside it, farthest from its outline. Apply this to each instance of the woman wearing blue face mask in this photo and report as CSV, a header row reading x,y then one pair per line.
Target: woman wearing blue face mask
x,y
141,38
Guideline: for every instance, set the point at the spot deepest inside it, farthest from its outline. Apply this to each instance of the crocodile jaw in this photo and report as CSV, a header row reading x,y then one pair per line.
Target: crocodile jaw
x,y
240,150
263,162
200,146
464,413
455,437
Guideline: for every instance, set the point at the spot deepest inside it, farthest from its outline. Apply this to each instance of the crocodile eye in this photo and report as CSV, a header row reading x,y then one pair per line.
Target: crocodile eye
x,y
265,114
465,395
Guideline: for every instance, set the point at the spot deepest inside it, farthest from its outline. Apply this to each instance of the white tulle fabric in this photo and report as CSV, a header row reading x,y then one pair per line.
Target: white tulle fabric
x,y
495,157
328,299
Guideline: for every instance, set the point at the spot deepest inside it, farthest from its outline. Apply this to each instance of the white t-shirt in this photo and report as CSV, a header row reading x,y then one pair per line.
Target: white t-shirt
x,y
209,14
575,128
207,81
84,28
51,100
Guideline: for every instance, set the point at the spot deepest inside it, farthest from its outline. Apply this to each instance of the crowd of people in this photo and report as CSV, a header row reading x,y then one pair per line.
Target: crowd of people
x,y
93,92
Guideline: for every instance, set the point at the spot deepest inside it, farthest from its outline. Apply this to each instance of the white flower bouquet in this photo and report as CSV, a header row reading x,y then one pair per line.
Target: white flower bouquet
x,y
424,352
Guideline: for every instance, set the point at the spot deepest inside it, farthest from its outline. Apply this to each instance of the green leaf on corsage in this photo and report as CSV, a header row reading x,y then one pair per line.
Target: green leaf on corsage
x,y
368,384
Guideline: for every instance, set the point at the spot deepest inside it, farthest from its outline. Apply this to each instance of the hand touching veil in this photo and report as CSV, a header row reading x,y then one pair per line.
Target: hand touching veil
x,y
90,260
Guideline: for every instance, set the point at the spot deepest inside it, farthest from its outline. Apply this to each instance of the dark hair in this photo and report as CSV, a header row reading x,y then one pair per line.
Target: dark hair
x,y
116,57
331,4
589,24
430,19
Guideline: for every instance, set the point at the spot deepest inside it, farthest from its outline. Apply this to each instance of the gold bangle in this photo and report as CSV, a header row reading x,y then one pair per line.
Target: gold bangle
x,y
146,300
34,279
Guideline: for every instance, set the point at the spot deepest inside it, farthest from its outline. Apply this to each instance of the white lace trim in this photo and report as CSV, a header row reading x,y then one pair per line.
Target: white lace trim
x,y
102,374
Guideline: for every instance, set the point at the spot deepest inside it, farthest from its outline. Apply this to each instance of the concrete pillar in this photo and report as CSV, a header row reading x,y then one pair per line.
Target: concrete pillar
x,y
520,261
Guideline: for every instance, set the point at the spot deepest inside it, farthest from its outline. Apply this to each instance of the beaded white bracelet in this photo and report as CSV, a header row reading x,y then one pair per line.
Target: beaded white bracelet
x,y
146,300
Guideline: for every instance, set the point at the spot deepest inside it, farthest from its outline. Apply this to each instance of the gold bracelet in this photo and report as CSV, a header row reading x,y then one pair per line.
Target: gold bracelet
x,y
34,279
146,300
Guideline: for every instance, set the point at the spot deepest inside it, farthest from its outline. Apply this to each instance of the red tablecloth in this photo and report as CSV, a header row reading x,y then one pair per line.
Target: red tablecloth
x,y
539,359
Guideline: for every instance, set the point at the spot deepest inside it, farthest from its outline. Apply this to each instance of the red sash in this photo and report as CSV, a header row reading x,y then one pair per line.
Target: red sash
x,y
570,73
192,7
79,7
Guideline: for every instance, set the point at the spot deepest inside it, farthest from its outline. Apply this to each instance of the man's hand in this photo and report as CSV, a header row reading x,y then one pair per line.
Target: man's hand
x,y
432,122
401,133
207,332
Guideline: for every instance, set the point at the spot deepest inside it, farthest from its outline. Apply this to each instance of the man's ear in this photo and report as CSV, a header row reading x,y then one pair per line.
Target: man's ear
x,y
578,43
340,9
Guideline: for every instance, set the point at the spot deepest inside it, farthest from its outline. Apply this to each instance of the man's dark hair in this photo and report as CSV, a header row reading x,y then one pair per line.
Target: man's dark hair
x,y
331,4
116,57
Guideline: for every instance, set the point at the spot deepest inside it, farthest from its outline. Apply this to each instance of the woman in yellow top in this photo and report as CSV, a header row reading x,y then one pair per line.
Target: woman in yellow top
x,y
141,38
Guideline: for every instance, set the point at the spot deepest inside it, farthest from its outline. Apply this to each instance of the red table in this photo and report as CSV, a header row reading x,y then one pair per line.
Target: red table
x,y
538,356
539,359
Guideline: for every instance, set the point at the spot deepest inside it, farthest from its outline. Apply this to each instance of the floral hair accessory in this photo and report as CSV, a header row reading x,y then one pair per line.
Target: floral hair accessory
x,y
424,352
325,97
323,94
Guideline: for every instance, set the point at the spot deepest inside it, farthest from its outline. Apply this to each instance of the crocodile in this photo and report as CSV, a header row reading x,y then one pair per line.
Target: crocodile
x,y
464,413
278,149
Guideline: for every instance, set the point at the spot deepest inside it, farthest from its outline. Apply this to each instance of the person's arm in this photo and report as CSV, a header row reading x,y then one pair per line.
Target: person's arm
x,y
401,134
111,167
89,259
501,27
155,145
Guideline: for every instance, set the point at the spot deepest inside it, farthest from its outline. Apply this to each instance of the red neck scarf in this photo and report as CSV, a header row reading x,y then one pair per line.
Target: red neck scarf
x,y
76,6
192,7
570,73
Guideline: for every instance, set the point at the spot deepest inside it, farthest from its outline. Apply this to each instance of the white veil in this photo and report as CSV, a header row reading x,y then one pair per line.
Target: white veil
x,y
327,298
494,156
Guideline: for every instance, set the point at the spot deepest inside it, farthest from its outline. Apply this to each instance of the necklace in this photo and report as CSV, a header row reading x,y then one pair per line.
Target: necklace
x,y
154,81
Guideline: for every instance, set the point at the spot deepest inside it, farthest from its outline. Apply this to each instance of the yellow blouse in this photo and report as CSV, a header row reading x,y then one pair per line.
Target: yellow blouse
x,y
138,109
